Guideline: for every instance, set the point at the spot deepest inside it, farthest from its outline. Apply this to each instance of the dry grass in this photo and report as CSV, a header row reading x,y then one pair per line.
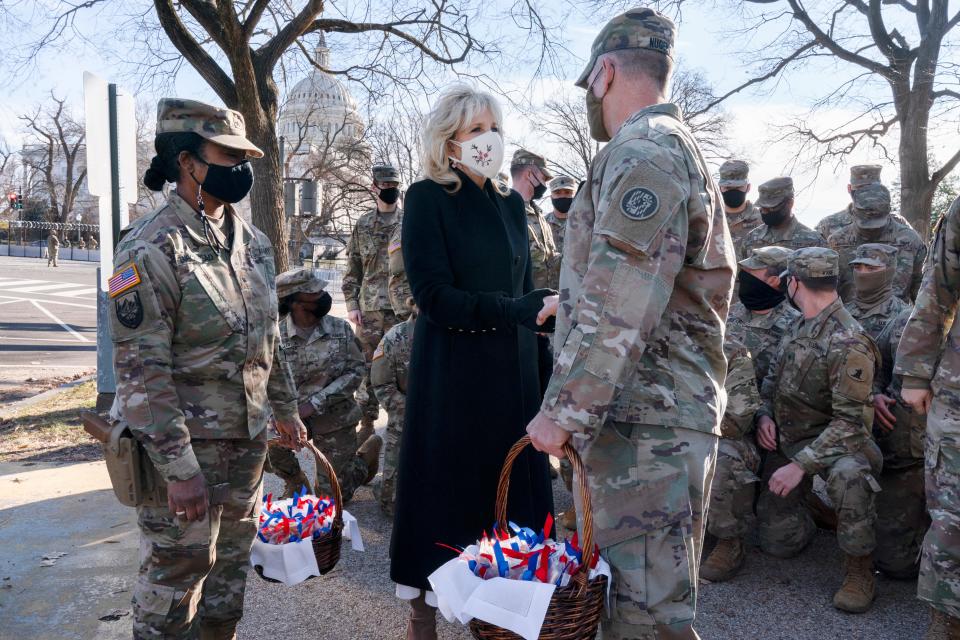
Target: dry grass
x,y
50,430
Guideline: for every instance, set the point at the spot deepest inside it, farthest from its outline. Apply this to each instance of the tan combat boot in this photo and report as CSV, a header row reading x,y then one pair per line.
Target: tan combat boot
x,y
942,626
568,519
369,452
218,630
422,624
725,561
859,586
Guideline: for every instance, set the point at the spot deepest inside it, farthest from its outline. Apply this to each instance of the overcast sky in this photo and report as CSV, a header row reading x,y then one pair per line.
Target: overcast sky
x,y
706,42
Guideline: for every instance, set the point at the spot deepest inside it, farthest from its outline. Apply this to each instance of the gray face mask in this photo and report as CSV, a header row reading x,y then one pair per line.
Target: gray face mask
x,y
598,130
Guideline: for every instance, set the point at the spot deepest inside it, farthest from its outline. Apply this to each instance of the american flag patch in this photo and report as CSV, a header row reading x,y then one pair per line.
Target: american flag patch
x,y
393,247
126,278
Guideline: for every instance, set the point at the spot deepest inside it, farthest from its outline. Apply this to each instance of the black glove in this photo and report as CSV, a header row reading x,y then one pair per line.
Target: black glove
x,y
523,311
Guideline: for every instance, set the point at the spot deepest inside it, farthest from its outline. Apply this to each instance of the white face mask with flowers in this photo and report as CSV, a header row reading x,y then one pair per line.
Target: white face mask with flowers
x,y
482,155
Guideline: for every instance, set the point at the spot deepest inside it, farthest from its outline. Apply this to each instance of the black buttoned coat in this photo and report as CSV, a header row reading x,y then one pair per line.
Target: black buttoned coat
x,y
474,382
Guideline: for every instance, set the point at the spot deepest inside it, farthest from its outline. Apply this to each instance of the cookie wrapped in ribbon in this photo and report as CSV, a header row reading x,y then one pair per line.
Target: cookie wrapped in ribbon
x,y
522,554
301,517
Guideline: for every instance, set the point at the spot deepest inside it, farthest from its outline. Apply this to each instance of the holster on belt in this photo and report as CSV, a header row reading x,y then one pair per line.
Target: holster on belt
x,y
135,480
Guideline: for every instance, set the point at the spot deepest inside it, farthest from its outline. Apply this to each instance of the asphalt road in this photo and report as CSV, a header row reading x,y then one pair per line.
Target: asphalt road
x,y
48,320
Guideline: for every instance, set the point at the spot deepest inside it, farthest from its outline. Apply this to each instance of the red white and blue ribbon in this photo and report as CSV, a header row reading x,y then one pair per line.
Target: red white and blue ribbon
x,y
302,517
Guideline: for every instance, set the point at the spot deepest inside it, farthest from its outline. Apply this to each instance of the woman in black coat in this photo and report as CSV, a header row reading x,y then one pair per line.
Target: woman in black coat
x,y
474,383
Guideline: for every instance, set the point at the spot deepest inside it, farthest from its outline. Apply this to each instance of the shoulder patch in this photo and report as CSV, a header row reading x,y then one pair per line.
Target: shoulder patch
x,y
378,353
639,203
393,247
856,373
129,310
123,280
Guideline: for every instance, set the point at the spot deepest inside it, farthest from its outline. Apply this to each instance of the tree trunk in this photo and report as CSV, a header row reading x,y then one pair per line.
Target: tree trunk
x,y
916,188
266,199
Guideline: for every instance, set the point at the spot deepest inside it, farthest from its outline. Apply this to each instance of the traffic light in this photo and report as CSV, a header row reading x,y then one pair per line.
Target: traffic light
x,y
290,192
20,202
12,199
308,198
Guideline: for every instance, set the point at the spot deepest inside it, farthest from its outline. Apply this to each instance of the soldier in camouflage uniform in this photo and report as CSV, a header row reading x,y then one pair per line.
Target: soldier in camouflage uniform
x,y
645,283
530,175
816,420
366,284
874,306
929,363
81,244
742,215
780,227
872,224
860,175
196,355
761,325
562,191
902,518
53,249
731,497
398,286
391,363
327,368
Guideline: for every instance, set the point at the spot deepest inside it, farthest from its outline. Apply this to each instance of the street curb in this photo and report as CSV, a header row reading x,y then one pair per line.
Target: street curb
x,y
12,408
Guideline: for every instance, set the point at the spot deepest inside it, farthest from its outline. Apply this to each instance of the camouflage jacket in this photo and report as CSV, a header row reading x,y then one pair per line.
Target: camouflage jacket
x,y
795,236
761,333
843,218
327,368
928,356
819,387
741,224
887,382
559,227
543,253
398,286
644,286
743,397
53,242
391,364
367,280
874,319
910,255
195,336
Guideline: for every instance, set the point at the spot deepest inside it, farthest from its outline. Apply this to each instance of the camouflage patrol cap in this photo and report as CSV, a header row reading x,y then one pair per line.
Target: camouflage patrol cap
x,y
216,124
385,173
734,173
871,206
563,182
764,257
876,254
862,174
639,28
773,192
814,262
299,281
522,157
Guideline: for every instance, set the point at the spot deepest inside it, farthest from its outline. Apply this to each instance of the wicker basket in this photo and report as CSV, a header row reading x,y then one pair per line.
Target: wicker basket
x,y
575,610
326,548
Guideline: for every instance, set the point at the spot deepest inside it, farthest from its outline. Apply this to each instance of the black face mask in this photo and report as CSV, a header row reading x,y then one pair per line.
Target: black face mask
x,y
734,198
775,217
228,184
539,191
322,306
785,288
757,295
562,204
390,194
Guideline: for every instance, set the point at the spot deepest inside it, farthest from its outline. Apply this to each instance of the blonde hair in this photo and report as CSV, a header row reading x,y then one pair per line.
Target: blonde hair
x,y
458,105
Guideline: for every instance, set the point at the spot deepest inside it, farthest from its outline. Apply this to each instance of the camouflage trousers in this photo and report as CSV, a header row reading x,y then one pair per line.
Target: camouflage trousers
x,y
785,526
566,472
52,257
939,581
649,486
340,448
370,332
386,490
734,486
193,574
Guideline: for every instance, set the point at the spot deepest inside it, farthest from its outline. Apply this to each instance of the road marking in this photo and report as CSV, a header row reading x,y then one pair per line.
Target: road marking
x,y
17,339
74,294
40,365
59,322
18,283
43,287
69,304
